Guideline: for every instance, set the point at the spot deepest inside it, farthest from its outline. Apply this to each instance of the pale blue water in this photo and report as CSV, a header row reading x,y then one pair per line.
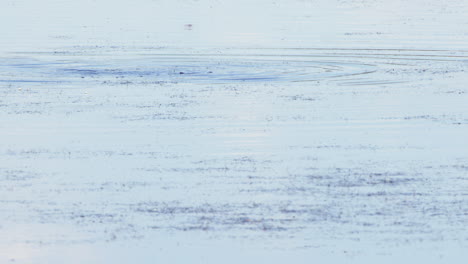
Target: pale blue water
x,y
268,131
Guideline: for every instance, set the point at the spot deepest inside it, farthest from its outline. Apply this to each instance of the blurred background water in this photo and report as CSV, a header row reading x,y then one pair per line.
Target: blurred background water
x,y
418,24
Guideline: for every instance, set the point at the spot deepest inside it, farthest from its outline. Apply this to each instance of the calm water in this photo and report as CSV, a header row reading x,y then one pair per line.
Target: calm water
x,y
233,131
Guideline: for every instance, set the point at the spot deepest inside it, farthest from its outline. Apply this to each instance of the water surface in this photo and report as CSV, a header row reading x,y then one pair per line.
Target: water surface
x,y
327,131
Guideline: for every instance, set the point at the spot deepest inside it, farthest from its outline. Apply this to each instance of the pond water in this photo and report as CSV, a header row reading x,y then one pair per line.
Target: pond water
x,y
219,131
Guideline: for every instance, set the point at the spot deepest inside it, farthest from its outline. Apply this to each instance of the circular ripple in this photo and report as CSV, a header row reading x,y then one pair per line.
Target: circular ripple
x,y
346,66
221,69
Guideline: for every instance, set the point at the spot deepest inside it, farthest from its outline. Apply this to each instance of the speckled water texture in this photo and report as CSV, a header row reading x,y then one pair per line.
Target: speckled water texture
x,y
234,131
